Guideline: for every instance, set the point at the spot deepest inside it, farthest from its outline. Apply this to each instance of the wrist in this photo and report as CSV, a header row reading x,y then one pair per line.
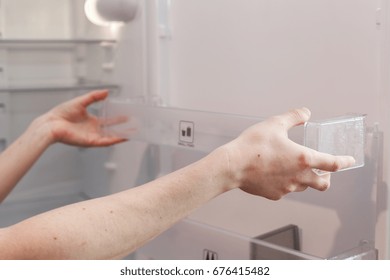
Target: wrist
x,y
223,168
41,129
235,164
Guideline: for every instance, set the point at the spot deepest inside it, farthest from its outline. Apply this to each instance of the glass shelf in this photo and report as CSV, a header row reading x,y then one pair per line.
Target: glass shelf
x,y
46,88
55,41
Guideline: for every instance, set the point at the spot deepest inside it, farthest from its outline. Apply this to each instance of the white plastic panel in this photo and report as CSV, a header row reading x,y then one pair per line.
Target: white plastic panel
x,y
262,57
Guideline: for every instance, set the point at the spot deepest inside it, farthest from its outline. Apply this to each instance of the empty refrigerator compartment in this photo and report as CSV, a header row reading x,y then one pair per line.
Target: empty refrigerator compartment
x,y
344,136
194,240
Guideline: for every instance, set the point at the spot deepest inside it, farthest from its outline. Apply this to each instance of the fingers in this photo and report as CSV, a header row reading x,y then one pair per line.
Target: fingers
x,y
114,120
295,117
106,141
330,163
92,97
323,162
311,179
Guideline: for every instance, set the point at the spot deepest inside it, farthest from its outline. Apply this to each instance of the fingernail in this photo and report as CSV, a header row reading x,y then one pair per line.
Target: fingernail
x,y
306,110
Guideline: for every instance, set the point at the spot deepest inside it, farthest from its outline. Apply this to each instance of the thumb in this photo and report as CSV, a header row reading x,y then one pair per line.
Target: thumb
x,y
296,117
91,97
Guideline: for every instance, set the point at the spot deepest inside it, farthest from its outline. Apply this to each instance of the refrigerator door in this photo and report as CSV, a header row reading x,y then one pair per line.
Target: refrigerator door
x,y
261,58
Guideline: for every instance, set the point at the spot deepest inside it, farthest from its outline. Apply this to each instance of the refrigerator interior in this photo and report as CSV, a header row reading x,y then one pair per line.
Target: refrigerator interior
x,y
227,57
49,53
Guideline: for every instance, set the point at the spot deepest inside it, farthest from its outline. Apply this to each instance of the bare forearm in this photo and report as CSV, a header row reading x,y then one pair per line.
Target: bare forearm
x,y
18,158
114,226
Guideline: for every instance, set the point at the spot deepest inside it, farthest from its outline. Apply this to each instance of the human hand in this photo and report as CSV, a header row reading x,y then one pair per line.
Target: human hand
x,y
264,161
70,122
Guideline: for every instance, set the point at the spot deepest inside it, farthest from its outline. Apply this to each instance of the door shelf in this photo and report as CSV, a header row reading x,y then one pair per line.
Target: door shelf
x,y
205,131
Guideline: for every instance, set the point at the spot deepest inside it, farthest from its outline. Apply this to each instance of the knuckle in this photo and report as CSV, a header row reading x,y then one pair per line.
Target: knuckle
x,y
335,166
324,186
305,160
290,188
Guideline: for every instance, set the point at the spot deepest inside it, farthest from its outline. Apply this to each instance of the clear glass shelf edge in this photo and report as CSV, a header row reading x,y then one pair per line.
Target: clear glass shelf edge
x,y
56,88
26,41
204,131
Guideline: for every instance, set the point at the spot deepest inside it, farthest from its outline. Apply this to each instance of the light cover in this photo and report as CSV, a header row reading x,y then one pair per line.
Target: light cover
x,y
110,12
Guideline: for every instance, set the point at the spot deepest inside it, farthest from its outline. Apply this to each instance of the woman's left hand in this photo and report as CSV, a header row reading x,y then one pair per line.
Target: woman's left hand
x,y
70,123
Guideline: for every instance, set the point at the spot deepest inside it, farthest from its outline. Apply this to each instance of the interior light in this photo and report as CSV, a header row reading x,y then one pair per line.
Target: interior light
x,y
110,12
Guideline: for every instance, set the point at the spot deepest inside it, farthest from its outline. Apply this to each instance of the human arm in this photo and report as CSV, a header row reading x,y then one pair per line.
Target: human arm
x,y
261,161
68,123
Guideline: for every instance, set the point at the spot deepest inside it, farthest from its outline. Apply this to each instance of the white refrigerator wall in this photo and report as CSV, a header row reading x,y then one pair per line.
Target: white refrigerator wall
x,y
261,57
